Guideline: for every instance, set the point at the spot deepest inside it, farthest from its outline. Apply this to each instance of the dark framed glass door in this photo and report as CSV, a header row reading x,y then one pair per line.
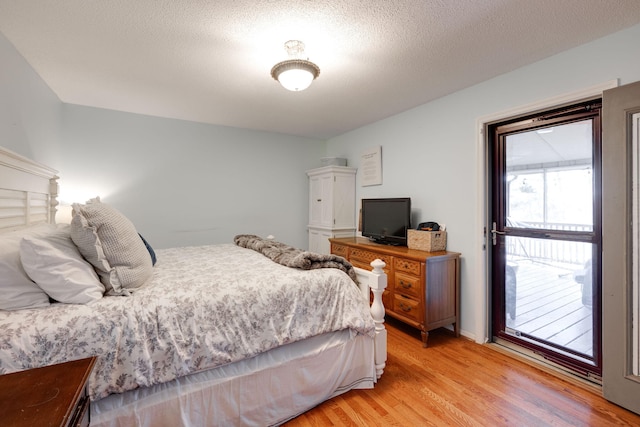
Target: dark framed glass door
x,y
545,235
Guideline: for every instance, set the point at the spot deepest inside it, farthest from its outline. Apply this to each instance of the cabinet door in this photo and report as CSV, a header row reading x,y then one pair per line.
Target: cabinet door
x,y
332,194
319,241
344,193
328,199
320,212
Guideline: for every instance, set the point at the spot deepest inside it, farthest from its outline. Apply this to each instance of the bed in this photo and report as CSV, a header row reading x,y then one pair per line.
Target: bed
x,y
218,335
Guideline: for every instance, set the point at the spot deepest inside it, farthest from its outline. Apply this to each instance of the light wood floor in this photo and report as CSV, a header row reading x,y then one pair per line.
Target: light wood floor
x,y
456,382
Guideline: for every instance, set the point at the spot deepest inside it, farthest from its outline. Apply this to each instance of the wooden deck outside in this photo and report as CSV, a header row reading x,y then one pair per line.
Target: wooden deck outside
x,y
549,306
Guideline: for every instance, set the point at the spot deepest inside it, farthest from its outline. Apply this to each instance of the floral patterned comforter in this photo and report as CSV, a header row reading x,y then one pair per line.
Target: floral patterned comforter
x,y
205,307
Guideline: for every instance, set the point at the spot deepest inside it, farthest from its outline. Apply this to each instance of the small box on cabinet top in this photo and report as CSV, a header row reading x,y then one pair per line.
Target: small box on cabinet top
x,y
430,241
333,161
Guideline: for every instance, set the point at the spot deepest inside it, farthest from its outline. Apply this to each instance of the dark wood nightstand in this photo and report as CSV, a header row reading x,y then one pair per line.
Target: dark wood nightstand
x,y
49,396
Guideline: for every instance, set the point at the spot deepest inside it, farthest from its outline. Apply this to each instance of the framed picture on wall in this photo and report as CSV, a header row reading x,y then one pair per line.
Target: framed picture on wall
x,y
371,167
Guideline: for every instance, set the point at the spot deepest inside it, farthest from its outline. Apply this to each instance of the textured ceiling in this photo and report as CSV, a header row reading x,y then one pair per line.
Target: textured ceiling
x,y
209,61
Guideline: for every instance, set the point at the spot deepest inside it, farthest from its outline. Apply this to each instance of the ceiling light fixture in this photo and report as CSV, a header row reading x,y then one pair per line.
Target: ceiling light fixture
x,y
296,73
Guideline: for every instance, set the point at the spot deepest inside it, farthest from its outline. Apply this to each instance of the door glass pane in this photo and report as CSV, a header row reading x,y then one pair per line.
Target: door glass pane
x,y
548,281
548,288
549,181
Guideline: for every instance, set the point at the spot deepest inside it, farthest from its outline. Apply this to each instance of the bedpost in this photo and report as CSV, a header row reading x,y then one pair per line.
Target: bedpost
x,y
374,283
377,312
53,199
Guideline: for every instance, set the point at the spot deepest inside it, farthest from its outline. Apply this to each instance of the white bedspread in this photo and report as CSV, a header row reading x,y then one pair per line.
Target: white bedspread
x,y
205,307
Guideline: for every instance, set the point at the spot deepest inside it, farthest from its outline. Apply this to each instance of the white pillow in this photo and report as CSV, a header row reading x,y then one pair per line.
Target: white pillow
x,y
17,290
57,267
110,242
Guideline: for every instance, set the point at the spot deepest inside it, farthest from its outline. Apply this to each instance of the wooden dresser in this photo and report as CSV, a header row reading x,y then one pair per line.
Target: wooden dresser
x,y
50,396
423,287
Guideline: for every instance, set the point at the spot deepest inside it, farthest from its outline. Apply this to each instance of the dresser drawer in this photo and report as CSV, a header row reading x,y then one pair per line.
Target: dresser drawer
x,y
407,285
339,250
368,256
407,307
407,266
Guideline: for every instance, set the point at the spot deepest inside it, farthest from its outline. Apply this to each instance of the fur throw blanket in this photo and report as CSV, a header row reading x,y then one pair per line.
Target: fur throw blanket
x,y
293,257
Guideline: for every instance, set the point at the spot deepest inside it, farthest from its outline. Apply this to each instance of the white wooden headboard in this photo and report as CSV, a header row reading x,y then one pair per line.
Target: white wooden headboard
x,y
28,192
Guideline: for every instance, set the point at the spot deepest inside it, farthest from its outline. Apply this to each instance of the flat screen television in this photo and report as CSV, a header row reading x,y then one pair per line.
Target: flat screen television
x,y
386,220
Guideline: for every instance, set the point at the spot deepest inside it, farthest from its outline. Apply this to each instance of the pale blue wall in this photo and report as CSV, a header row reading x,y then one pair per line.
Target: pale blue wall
x,y
185,183
29,110
431,153
181,183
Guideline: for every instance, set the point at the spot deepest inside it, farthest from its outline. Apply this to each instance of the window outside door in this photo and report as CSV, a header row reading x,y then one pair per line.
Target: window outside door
x,y
546,235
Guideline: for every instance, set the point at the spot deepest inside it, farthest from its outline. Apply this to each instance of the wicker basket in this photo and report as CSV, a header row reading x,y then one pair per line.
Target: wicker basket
x,y
430,241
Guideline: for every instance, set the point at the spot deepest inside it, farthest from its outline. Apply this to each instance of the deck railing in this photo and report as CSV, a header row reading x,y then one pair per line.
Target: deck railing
x,y
551,250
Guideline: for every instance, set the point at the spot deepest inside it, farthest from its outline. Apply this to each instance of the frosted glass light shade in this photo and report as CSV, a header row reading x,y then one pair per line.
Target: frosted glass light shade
x,y
295,74
295,80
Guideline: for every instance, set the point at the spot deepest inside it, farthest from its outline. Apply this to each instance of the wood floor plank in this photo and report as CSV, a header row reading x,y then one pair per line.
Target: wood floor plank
x,y
456,382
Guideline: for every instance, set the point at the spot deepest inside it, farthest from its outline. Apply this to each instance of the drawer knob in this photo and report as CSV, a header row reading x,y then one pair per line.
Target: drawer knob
x,y
404,307
405,285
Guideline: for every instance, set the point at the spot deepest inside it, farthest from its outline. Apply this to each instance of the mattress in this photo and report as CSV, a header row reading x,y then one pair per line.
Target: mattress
x,y
206,306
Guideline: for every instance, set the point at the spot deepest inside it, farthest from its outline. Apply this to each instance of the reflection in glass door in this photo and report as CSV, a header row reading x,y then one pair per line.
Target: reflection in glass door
x,y
546,236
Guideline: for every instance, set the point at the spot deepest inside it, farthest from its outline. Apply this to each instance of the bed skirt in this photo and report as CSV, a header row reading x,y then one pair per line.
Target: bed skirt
x,y
268,389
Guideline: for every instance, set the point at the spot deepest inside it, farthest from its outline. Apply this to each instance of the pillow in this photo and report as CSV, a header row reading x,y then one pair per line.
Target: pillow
x,y
57,267
152,253
110,242
17,290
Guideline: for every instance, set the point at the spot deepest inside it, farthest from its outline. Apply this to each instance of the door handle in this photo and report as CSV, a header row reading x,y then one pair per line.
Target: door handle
x,y
494,234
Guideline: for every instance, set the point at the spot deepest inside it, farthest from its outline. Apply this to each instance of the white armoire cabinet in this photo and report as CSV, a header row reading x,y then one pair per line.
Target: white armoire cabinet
x,y
332,205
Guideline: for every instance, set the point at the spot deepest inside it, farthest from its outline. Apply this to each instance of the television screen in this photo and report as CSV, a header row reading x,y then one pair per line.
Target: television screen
x,y
386,220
